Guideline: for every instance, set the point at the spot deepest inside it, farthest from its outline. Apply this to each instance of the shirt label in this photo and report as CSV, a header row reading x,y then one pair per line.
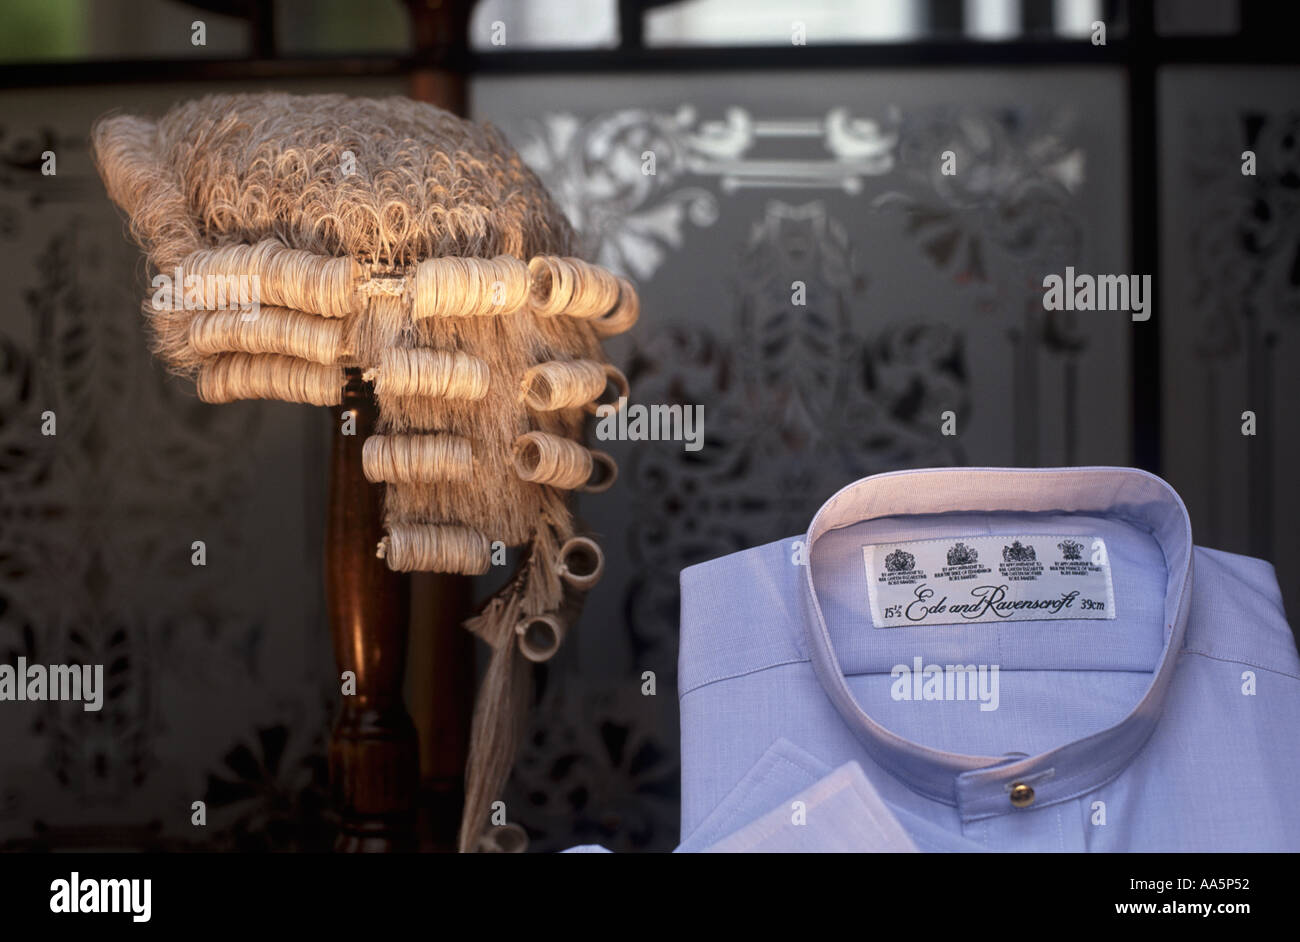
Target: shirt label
x,y
988,578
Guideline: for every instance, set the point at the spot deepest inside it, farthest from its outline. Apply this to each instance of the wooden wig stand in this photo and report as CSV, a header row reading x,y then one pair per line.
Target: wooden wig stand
x,y
373,752
397,776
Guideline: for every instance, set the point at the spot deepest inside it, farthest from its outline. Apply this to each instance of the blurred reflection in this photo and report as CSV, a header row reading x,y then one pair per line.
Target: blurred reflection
x,y
773,22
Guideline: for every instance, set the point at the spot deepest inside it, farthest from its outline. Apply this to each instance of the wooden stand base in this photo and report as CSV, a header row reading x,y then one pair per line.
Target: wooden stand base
x,y
374,764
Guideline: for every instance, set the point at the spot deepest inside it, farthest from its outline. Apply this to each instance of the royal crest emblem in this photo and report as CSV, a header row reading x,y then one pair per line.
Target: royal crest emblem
x,y
1070,549
1017,552
962,555
900,561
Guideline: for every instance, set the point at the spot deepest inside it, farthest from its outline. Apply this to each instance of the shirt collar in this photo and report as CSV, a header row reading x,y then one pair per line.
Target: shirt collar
x,y
980,786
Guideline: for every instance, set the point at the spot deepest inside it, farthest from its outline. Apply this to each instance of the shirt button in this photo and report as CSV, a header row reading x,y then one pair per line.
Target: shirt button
x,y
1022,796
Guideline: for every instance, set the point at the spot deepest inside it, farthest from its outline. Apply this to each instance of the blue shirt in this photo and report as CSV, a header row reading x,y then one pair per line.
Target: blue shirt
x,y
1146,695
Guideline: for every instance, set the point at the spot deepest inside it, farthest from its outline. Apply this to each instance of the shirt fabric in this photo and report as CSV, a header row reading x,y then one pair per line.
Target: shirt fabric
x,y
841,813
785,770
790,802
1170,724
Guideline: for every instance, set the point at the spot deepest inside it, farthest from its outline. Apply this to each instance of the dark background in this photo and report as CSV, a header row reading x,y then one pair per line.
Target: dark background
x,y
774,163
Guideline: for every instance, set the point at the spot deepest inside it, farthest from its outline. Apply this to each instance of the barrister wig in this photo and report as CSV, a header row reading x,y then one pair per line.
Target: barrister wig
x,y
390,236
